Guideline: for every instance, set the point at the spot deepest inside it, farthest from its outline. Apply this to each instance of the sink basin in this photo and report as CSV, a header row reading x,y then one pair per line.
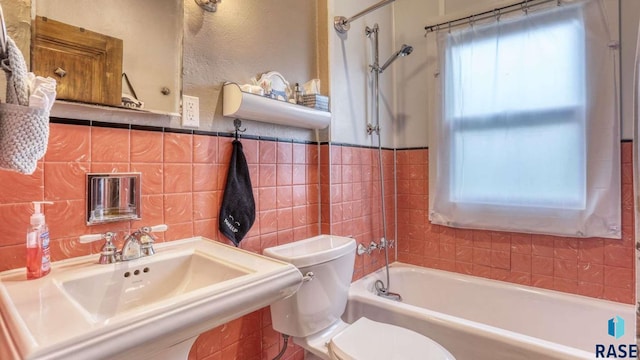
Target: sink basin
x,y
136,309
105,294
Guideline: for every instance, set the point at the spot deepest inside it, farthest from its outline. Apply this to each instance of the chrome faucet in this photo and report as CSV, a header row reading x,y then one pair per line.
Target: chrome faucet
x,y
132,247
137,244
140,242
384,243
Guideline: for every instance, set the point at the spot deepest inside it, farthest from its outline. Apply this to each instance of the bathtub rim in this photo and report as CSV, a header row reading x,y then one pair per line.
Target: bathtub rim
x,y
501,284
362,291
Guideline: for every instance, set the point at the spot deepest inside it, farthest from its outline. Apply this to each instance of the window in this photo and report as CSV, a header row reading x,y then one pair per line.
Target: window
x,y
524,140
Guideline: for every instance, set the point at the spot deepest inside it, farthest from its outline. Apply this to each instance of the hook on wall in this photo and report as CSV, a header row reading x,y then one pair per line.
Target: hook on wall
x,y
237,123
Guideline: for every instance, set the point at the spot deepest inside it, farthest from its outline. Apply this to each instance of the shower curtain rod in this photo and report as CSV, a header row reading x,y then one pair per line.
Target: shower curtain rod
x,y
342,24
523,5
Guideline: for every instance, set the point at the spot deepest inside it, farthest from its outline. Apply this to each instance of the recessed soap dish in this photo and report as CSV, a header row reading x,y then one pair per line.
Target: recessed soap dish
x,y
113,197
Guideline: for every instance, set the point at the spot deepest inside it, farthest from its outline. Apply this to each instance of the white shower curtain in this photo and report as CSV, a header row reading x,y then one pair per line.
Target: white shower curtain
x,y
525,133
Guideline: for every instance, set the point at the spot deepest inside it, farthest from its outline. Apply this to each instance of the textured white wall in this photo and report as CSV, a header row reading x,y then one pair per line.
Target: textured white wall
x,y
411,87
410,123
351,82
18,23
243,39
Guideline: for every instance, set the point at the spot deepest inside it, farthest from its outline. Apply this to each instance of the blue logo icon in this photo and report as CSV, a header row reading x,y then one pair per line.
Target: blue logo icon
x,y
616,327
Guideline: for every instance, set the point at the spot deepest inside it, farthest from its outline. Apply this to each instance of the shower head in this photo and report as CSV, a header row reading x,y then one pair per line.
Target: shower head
x,y
404,51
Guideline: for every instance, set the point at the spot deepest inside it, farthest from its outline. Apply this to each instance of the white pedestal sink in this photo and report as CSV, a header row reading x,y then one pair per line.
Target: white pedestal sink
x,y
150,308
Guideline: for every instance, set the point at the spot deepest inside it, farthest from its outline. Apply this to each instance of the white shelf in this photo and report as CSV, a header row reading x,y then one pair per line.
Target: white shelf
x,y
239,104
76,110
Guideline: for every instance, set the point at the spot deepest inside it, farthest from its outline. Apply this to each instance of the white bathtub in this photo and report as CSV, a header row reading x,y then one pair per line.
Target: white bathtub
x,y
482,319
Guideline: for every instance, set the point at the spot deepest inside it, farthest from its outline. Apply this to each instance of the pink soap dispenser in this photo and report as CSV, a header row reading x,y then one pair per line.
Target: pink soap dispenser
x,y
38,255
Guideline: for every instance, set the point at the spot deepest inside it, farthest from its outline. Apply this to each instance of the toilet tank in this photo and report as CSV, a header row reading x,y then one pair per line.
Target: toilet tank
x,y
321,301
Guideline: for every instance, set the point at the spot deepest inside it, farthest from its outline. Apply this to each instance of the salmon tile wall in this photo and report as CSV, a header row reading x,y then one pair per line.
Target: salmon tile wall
x,y
300,191
351,203
595,267
183,181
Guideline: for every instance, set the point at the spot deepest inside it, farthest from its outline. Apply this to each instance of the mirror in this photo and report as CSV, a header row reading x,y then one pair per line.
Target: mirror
x,y
113,197
151,32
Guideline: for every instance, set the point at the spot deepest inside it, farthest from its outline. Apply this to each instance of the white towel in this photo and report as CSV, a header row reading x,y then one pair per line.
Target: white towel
x,y
42,90
17,79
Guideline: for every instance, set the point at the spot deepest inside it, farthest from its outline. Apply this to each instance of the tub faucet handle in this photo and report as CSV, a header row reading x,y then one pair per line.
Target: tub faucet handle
x,y
363,249
383,244
372,246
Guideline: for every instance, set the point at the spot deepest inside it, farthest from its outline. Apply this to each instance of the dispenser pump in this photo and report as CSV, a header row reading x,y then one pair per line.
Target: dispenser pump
x,y
37,218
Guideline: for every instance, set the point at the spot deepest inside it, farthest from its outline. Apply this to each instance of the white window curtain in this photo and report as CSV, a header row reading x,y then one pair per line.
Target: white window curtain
x,y
525,132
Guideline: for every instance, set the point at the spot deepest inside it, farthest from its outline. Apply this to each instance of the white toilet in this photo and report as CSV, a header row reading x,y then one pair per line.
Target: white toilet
x,y
312,314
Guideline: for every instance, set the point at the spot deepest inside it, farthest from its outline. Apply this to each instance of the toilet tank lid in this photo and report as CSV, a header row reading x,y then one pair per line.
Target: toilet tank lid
x,y
312,251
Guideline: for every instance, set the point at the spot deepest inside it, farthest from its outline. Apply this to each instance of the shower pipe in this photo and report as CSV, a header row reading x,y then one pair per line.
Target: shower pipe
x,y
342,24
381,289
405,50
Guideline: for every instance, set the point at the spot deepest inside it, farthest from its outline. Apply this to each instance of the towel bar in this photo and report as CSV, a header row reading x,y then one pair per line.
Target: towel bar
x,y
3,35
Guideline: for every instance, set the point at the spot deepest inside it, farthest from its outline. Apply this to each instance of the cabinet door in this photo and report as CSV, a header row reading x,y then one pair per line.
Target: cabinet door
x,y
86,65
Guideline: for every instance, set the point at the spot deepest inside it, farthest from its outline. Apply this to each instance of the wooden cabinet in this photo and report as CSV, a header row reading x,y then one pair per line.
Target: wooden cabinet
x,y
87,65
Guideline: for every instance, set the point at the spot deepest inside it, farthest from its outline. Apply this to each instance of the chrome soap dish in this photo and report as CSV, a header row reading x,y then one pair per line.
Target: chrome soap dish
x,y
113,197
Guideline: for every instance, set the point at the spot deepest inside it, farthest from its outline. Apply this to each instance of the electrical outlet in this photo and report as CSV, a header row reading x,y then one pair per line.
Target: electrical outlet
x,y
190,111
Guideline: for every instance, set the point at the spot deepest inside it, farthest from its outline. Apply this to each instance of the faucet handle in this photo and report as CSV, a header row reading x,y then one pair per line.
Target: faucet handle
x,y
108,236
391,243
384,243
109,252
155,228
147,239
372,246
363,249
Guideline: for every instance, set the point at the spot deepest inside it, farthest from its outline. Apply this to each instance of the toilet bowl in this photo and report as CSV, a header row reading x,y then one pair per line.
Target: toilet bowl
x,y
371,340
312,315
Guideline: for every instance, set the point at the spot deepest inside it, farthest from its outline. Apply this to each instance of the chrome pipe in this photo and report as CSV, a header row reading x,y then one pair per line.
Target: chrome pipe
x,y
376,81
375,68
342,24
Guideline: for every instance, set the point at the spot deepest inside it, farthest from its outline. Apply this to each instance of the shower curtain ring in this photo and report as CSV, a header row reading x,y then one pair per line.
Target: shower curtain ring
x,y
497,14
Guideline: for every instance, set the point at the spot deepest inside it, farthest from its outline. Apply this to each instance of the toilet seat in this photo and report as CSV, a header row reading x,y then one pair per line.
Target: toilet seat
x,y
371,340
